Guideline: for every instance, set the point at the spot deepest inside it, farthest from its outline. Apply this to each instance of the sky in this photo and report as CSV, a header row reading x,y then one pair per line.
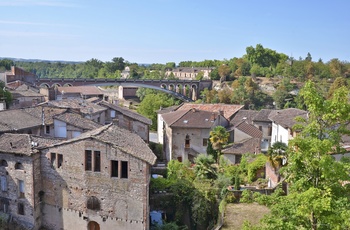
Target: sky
x,y
161,31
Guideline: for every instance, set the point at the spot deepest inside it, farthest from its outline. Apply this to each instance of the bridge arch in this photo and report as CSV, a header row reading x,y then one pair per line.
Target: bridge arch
x,y
171,87
44,85
56,85
67,85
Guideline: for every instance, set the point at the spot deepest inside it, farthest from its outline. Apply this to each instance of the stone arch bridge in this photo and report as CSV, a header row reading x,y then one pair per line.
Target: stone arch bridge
x,y
185,90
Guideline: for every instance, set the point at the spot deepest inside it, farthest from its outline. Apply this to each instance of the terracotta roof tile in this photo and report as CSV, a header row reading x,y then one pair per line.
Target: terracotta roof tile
x,y
249,129
263,115
17,119
127,112
228,110
84,106
77,120
49,112
119,138
286,117
83,90
192,118
243,115
251,145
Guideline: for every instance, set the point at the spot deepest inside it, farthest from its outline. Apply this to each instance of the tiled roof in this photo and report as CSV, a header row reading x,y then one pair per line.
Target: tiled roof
x,y
286,117
243,115
228,110
49,112
119,138
127,112
249,129
168,109
83,90
84,106
77,120
17,119
22,143
191,118
251,145
263,115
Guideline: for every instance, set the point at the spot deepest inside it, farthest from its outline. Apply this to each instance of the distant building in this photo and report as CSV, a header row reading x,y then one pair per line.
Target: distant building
x,y
190,73
84,92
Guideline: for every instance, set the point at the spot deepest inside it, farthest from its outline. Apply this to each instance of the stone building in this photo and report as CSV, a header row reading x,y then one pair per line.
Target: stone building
x,y
99,180
190,73
127,119
186,132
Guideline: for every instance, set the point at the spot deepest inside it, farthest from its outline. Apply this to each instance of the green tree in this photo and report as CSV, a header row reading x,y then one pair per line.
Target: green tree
x,y
317,197
219,137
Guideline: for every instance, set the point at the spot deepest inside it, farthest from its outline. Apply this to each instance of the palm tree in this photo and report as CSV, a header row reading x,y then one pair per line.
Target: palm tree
x,y
276,154
219,137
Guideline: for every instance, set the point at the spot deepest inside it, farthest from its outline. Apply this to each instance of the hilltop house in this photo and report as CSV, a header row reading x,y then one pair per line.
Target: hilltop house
x,y
190,73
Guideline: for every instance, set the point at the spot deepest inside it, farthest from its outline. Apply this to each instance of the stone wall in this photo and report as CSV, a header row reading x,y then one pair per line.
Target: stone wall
x,y
123,202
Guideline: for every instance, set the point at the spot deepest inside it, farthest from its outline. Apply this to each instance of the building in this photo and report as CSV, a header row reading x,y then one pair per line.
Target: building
x,y
98,180
84,92
190,73
186,132
24,96
127,119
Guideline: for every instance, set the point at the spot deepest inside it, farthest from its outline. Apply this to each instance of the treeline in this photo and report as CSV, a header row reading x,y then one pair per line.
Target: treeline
x,y
258,61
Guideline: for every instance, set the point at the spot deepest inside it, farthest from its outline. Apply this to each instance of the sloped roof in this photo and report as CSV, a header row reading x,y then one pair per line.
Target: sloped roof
x,y
263,115
77,120
84,106
286,117
49,112
127,112
119,138
191,118
251,145
243,115
17,119
23,143
168,109
228,110
249,129
83,90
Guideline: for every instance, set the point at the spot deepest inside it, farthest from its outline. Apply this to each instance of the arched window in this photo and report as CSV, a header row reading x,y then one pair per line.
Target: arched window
x,y
19,166
3,163
93,226
93,203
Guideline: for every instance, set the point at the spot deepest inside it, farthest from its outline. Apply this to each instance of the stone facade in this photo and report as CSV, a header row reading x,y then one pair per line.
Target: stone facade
x,y
99,180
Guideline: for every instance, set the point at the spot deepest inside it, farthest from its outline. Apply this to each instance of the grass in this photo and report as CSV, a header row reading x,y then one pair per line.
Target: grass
x,y
236,214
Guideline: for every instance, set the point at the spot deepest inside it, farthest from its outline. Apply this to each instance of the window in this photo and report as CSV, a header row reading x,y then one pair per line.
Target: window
x,y
53,159
114,167
124,169
20,209
187,141
260,128
112,113
4,205
97,161
21,188
19,166
3,163
59,160
47,129
88,160
93,203
205,141
3,181
269,131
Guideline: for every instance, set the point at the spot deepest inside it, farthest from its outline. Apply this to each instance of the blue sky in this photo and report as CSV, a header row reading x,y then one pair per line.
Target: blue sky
x,y
160,31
